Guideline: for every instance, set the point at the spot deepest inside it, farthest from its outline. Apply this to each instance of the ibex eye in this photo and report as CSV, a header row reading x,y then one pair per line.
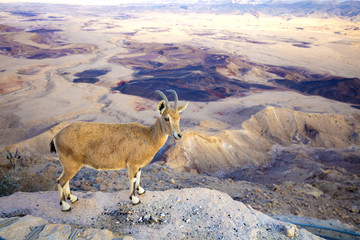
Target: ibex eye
x,y
166,119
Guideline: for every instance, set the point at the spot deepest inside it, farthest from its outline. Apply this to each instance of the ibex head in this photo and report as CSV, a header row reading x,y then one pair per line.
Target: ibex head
x,y
170,117
12,158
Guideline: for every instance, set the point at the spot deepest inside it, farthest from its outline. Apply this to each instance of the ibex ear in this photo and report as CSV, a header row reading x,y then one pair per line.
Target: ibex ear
x,y
161,107
183,107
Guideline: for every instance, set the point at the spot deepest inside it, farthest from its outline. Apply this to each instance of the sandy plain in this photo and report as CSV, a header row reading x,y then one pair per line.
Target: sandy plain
x,y
251,115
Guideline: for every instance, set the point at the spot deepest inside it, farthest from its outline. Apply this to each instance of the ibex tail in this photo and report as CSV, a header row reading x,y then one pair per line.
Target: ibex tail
x,y
52,146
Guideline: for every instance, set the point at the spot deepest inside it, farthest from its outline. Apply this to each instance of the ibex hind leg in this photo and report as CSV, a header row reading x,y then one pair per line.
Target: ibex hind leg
x,y
64,189
68,194
140,190
132,180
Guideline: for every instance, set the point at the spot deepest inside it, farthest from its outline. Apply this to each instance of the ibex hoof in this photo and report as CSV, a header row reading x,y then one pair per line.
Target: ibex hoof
x,y
66,207
136,203
73,198
141,191
66,210
135,200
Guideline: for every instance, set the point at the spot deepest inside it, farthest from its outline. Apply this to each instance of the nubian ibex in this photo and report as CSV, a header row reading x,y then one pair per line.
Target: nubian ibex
x,y
114,146
13,158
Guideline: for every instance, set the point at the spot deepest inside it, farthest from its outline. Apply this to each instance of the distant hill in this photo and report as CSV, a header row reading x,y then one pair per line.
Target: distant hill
x,y
296,8
342,9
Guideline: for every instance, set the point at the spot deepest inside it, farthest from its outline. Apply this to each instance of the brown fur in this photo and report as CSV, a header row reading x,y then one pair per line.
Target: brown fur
x,y
114,146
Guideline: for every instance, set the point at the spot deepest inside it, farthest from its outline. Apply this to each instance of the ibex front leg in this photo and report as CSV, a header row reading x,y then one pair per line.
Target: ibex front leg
x,y
66,207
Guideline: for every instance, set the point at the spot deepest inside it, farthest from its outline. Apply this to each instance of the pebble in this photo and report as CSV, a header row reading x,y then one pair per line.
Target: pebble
x,y
77,183
147,217
291,231
355,209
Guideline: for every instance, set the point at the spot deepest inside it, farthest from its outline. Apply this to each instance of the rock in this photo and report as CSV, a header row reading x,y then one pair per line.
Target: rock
x,y
296,210
351,188
22,227
30,227
291,231
90,234
191,213
206,214
355,209
103,187
128,238
304,188
99,180
85,187
55,231
147,217
77,183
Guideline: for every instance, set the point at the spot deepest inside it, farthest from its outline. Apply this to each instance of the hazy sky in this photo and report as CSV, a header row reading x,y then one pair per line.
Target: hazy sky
x,y
78,2
116,2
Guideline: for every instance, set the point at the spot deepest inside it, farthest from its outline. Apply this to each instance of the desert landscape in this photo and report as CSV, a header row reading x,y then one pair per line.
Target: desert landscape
x,y
272,124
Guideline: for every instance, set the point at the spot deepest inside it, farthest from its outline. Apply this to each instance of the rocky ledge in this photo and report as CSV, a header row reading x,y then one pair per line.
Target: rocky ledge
x,y
194,213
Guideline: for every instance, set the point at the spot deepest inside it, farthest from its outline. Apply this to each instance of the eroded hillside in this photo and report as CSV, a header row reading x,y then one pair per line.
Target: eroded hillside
x,y
264,131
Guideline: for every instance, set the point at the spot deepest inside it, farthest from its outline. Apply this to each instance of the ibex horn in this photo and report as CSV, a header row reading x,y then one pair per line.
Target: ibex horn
x,y
10,155
163,97
176,98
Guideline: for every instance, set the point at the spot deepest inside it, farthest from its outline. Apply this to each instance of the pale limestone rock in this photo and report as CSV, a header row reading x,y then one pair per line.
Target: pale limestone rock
x,y
291,231
21,228
55,231
94,234
197,213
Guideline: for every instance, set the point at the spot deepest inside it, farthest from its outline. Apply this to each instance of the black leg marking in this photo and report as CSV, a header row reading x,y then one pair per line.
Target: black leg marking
x,y
133,193
63,197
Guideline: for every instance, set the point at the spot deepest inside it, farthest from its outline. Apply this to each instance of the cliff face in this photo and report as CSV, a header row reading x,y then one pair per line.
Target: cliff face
x,y
251,145
195,213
